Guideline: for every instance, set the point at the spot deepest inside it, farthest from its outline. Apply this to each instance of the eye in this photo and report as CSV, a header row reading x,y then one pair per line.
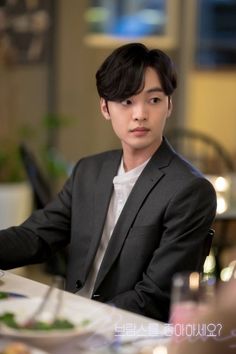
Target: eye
x,y
154,100
126,102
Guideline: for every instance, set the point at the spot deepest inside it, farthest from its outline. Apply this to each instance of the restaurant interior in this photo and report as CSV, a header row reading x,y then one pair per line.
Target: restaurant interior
x,y
50,115
49,107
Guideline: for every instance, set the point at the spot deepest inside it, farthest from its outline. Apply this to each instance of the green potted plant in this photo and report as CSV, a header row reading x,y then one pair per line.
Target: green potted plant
x,y
16,197
11,170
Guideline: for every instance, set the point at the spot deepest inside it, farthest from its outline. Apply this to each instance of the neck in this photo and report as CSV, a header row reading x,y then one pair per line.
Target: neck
x,y
134,158
131,164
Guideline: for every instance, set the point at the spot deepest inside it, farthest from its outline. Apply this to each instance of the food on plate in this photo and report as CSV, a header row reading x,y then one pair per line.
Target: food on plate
x,y
16,348
3,295
8,319
7,295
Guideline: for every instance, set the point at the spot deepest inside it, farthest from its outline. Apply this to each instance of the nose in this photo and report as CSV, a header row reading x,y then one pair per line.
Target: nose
x,y
140,112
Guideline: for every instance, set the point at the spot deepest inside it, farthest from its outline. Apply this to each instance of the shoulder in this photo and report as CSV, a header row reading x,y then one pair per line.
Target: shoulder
x,y
180,165
180,174
100,157
95,162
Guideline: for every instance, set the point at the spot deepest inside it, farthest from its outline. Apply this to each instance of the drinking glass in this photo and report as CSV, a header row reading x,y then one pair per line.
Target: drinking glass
x,y
190,296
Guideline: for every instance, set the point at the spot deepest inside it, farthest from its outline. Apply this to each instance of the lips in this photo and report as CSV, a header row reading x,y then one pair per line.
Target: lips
x,y
139,129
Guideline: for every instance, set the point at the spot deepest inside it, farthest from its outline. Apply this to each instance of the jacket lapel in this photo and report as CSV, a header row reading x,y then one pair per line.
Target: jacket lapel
x,y
102,198
144,185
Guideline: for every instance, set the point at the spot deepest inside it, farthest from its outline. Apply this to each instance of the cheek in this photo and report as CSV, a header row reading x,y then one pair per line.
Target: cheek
x,y
164,113
118,121
117,127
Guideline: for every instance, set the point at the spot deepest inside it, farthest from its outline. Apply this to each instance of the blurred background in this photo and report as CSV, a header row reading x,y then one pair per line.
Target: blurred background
x,y
50,51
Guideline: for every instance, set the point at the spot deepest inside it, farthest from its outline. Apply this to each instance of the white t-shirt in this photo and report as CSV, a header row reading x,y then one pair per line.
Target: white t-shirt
x,y
123,184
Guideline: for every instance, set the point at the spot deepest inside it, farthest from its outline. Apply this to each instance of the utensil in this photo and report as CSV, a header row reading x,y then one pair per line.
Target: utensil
x,y
10,295
49,308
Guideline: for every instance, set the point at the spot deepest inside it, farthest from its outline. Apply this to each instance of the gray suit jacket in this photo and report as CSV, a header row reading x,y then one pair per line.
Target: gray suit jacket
x,y
162,229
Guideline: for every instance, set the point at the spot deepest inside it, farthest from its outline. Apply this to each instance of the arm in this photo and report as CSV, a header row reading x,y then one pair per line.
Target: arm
x,y
186,223
44,232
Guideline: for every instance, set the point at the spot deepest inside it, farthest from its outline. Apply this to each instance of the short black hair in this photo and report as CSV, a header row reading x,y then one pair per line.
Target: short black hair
x,y
121,75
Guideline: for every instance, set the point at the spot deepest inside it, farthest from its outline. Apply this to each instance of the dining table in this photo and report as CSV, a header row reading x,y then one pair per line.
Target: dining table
x,y
114,330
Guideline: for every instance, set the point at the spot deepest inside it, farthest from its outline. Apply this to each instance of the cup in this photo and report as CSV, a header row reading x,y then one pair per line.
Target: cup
x,y
190,296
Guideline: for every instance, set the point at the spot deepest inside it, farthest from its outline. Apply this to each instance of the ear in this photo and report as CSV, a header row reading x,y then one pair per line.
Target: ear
x,y
170,106
104,108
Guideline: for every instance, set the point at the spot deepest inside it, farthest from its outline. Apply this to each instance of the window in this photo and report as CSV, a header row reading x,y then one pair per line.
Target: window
x,y
216,33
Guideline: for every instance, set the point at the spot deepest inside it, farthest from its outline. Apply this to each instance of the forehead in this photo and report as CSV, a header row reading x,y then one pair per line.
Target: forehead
x,y
151,79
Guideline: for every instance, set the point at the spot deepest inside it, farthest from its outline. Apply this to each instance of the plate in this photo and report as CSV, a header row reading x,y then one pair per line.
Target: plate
x,y
23,309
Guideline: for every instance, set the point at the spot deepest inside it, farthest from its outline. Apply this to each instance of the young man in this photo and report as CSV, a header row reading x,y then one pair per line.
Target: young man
x,y
132,217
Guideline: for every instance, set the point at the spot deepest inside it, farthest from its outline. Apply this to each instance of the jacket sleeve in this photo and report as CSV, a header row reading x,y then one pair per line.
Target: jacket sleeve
x,y
44,232
188,218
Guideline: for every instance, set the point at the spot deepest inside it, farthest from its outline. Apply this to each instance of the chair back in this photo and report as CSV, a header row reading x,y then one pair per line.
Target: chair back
x,y
40,185
203,151
56,264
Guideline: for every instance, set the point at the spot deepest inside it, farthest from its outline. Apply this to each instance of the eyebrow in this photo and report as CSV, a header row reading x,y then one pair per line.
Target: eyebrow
x,y
155,89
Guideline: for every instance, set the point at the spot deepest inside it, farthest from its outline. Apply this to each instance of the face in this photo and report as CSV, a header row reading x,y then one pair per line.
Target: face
x,y
139,121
